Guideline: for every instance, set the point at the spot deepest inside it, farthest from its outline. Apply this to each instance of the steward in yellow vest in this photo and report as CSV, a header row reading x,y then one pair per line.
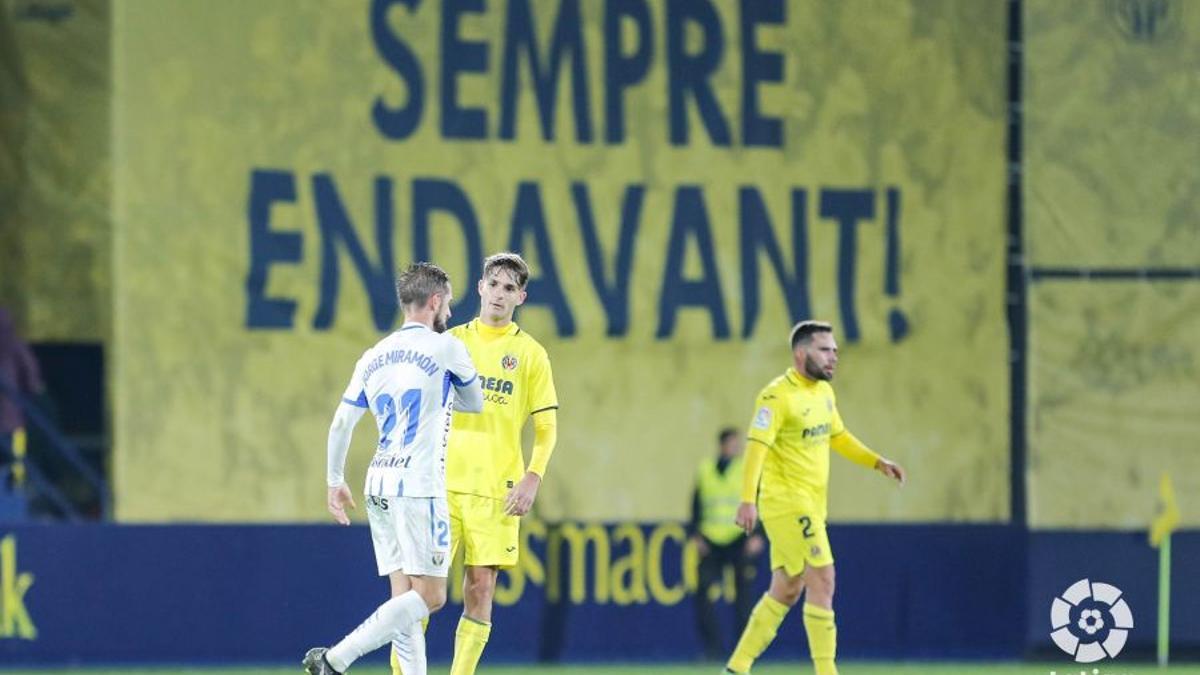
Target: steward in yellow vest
x,y
720,542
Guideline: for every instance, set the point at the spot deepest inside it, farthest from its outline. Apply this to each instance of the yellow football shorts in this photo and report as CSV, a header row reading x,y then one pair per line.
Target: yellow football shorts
x,y
480,528
797,541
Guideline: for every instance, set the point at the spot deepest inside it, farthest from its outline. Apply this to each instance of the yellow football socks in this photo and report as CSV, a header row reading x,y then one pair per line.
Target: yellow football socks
x,y
760,630
822,638
469,641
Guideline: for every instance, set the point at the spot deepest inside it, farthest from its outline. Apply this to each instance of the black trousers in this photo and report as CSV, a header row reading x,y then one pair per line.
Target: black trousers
x,y
6,457
712,570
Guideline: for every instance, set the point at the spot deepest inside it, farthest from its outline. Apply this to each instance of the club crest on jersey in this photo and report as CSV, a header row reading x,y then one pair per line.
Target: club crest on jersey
x,y
762,419
509,362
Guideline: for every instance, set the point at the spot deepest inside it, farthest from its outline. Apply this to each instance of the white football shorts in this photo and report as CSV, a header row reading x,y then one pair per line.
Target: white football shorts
x,y
410,534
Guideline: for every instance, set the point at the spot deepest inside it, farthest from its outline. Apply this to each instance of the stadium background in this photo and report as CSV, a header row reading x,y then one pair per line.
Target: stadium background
x,y
994,202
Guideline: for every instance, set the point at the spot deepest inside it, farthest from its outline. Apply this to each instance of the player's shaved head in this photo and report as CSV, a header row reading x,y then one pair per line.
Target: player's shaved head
x,y
803,332
419,282
509,261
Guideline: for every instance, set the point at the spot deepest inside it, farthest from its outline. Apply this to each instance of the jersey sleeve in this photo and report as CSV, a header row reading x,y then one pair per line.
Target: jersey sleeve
x,y
769,412
459,364
349,411
355,394
542,395
461,371
836,425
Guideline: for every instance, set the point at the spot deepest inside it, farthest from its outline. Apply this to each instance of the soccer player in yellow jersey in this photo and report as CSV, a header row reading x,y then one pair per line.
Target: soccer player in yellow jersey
x,y
795,423
488,484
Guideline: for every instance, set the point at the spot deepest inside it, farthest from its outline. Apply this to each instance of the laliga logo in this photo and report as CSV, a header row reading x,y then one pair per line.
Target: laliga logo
x,y
1091,621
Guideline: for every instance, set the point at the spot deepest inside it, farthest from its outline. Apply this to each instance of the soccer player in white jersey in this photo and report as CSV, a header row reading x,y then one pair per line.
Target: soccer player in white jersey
x,y
406,380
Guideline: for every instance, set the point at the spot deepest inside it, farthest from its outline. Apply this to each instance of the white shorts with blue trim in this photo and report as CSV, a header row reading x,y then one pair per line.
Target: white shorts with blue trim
x,y
410,534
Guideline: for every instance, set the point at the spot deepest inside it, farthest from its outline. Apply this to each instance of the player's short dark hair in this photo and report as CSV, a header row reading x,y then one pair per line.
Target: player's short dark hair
x,y
507,260
802,332
419,282
726,434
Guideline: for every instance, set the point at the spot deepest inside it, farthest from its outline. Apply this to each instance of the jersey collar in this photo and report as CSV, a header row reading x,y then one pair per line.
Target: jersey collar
x,y
408,325
483,329
797,379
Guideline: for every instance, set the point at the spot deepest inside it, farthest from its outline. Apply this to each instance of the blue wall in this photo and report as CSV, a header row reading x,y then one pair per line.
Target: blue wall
x,y
121,594
1125,560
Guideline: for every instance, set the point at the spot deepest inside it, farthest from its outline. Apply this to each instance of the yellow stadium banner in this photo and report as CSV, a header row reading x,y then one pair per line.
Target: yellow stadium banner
x,y
687,179
1114,248
55,172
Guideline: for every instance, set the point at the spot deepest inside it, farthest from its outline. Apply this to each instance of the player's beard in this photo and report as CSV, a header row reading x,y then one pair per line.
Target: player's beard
x,y
439,322
814,371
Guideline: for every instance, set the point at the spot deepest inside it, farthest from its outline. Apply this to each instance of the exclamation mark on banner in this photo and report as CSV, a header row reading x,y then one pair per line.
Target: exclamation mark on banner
x,y
897,322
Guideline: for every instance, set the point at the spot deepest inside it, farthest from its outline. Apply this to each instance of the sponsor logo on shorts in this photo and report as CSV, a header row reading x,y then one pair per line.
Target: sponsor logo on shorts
x,y
510,549
439,558
816,551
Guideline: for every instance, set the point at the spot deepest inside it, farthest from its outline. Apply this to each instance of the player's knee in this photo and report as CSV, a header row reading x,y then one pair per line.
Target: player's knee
x,y
787,595
479,600
435,598
786,591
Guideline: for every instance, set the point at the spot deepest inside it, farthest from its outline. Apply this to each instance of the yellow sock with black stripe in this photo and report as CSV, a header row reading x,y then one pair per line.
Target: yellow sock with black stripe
x,y
760,631
822,638
469,641
396,669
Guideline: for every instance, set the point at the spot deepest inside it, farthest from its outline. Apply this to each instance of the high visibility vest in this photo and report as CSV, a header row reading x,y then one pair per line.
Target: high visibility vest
x,y
720,494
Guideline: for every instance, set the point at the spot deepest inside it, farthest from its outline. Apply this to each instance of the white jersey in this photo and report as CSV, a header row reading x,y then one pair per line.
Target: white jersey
x,y
405,380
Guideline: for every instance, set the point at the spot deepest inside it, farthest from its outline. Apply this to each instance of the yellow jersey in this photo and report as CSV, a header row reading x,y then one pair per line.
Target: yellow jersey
x,y
794,417
484,453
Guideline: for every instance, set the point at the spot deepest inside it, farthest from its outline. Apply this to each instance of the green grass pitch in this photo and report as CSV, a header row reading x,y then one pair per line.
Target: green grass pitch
x,y
848,668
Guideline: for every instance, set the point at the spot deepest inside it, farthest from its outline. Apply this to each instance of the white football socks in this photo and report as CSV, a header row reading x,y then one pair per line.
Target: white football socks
x,y
409,645
380,628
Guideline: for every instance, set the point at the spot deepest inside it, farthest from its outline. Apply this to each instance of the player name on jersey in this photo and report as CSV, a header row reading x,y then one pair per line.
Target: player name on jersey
x,y
397,356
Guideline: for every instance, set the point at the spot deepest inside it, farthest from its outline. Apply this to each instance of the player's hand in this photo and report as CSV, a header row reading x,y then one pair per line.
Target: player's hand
x,y
747,516
339,499
755,545
701,545
520,499
890,469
